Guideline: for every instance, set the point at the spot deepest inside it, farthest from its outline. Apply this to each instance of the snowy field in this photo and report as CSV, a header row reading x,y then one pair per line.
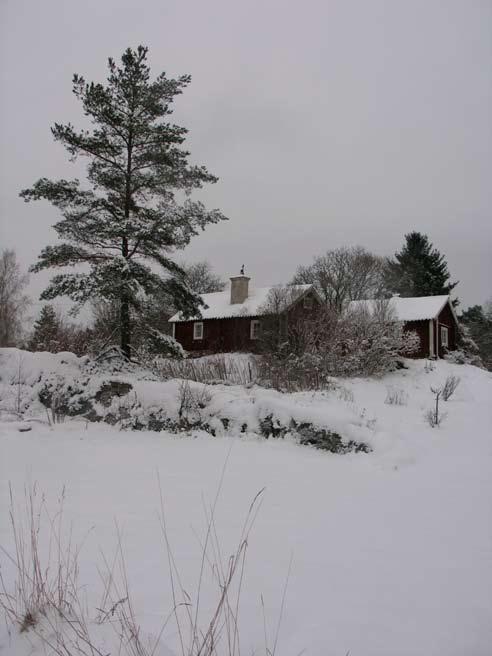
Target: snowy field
x,y
390,553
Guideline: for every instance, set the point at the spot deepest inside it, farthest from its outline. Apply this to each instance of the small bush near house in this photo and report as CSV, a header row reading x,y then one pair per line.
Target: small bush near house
x,y
429,366
360,343
434,416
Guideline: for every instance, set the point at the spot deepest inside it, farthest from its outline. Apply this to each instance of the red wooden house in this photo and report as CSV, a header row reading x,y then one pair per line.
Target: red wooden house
x,y
432,317
231,320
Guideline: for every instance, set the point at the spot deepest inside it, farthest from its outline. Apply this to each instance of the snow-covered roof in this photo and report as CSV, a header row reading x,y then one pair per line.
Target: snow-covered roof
x,y
220,306
416,308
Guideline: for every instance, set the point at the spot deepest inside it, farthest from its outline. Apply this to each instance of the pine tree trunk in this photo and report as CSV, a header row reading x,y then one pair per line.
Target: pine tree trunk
x,y
125,326
125,301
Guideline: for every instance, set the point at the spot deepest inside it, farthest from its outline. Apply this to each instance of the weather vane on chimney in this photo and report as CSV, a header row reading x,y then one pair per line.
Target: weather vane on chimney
x,y
242,270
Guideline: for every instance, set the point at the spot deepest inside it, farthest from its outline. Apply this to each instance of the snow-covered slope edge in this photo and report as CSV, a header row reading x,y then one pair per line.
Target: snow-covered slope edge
x,y
356,412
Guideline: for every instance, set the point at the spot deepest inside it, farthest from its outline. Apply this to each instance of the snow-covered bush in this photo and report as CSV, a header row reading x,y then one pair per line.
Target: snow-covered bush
x,y
370,343
292,373
164,345
359,343
467,351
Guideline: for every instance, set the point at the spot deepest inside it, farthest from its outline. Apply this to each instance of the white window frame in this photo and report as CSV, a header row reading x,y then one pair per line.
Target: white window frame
x,y
444,337
308,302
198,330
254,329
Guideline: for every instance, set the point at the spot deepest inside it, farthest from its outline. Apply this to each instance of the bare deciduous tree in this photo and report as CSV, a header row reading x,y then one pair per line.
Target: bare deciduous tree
x,y
365,341
201,278
343,275
13,301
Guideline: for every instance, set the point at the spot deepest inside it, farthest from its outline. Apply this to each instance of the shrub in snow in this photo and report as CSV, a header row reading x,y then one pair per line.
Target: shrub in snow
x,y
449,387
191,402
370,343
468,351
345,394
224,368
158,343
396,396
359,343
434,416
429,366
288,372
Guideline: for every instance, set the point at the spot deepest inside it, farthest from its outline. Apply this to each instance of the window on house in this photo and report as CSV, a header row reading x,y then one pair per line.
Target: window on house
x,y
308,302
444,337
198,330
254,329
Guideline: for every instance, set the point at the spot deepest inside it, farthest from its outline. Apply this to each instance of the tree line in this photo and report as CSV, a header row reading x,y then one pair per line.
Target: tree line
x,y
340,276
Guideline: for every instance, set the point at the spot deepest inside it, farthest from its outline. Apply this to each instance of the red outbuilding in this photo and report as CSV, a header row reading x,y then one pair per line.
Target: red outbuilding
x,y
432,317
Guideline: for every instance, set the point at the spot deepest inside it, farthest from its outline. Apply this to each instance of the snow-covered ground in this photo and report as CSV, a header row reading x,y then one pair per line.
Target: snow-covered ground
x,y
390,552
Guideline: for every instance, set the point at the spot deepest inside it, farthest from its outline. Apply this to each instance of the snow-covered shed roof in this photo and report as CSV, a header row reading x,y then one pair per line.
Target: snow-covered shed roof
x,y
417,308
219,304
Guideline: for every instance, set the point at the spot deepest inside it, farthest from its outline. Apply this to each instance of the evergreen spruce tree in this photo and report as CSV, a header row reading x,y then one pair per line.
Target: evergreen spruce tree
x,y
136,208
478,322
46,329
418,269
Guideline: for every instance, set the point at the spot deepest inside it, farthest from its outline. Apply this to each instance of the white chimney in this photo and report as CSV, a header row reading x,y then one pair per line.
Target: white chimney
x,y
239,289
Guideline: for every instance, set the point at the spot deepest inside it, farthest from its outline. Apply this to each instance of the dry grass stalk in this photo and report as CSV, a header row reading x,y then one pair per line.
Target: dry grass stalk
x,y
46,599
216,369
434,416
449,387
396,396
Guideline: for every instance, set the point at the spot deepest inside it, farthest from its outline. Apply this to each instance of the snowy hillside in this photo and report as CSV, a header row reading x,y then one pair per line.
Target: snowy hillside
x,y
381,553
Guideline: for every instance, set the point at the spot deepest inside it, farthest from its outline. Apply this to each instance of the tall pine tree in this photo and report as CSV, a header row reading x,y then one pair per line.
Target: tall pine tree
x,y
418,269
136,209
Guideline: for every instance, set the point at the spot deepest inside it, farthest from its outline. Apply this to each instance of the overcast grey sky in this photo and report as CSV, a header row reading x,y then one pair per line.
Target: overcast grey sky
x,y
329,123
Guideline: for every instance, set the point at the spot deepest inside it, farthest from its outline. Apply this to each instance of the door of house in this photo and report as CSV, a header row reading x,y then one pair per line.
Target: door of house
x,y
431,339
